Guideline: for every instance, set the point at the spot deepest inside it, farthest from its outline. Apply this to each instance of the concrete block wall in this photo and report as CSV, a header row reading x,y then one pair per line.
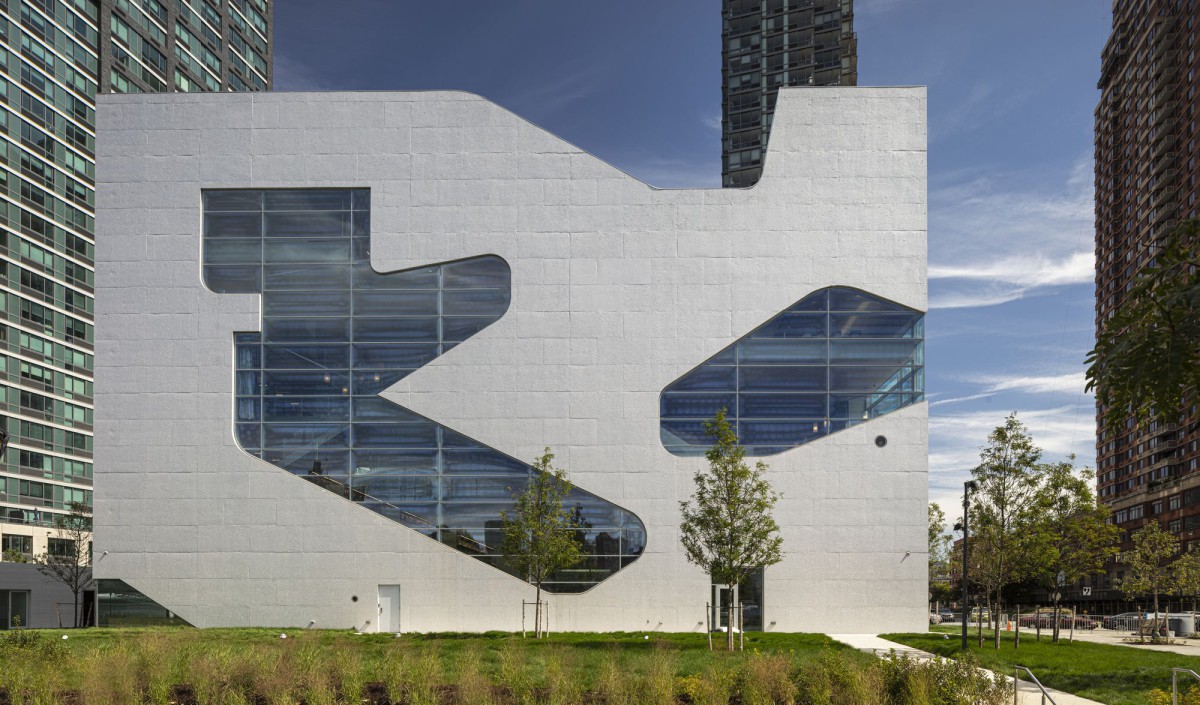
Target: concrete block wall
x,y
618,289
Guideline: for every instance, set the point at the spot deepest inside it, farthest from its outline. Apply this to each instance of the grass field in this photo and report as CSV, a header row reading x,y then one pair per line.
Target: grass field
x,y
257,667
1116,675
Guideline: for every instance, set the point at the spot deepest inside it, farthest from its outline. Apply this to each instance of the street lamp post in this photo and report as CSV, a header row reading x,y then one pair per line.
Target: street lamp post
x,y
968,488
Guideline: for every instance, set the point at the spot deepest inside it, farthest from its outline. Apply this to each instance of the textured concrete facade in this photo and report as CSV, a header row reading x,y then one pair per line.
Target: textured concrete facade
x,y
617,290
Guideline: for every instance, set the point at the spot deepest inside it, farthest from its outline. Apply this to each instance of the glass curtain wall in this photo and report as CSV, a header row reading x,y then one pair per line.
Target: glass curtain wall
x,y
834,359
335,333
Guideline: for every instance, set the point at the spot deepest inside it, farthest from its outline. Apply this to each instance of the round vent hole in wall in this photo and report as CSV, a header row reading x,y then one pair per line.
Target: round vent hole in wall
x,y
880,441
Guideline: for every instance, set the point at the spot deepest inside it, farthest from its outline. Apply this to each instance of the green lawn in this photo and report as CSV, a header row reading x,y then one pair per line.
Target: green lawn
x,y
1116,675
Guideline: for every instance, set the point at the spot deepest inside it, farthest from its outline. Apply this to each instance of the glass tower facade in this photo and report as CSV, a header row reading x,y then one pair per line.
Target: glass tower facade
x,y
54,56
335,333
771,43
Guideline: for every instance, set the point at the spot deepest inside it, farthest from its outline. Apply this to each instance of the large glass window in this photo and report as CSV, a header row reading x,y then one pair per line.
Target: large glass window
x,y
335,333
834,359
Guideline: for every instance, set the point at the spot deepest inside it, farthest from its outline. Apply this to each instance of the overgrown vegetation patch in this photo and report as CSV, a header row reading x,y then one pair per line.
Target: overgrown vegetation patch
x,y
256,666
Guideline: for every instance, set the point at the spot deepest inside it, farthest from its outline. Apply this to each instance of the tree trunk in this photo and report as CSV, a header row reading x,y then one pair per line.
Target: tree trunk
x,y
1054,631
996,624
1155,627
76,612
729,622
1017,626
979,626
537,613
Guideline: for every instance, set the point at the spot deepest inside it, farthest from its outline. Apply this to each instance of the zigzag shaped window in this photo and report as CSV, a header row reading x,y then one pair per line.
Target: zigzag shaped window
x,y
336,333
836,358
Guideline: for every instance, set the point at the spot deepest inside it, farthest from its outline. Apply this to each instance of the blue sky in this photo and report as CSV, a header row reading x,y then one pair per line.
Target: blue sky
x,y
637,82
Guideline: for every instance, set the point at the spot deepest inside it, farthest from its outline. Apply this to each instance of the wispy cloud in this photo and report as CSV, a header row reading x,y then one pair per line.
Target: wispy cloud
x,y
1070,383
990,245
711,120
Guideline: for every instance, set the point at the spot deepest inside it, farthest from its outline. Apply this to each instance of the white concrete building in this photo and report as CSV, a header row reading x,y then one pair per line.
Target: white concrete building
x,y
250,309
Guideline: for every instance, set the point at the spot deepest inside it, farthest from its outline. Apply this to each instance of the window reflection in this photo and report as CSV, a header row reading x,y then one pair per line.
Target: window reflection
x,y
834,359
336,333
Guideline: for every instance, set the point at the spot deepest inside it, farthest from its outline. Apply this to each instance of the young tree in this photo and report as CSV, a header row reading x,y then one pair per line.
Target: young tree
x,y
939,555
70,563
727,526
1147,570
1185,575
539,536
1072,536
1003,508
1147,356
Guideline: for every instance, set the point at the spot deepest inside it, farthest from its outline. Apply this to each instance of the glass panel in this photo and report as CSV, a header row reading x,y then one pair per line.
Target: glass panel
x,y
704,406
308,224
459,329
215,201
477,302
396,303
706,379
375,381
233,251
305,383
389,330
292,408
307,303
308,277
365,278
796,406
394,461
395,435
879,325
793,325
394,354
306,330
307,250
480,272
851,300
305,461
782,379
782,352
298,357
873,352
232,225
306,435
228,279
846,379
374,408
402,488
308,200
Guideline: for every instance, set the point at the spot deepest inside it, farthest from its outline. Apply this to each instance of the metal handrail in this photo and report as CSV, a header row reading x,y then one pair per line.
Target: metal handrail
x,y
1016,691
1175,682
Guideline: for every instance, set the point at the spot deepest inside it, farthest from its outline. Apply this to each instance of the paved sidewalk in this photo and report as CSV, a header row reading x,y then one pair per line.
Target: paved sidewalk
x,y
1027,692
1187,647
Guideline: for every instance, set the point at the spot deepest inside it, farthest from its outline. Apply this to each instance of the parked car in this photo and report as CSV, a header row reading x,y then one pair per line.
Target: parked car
x,y
947,614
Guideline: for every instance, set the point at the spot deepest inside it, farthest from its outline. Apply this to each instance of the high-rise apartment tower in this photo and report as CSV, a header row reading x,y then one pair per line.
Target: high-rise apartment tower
x,y
1147,165
771,43
56,55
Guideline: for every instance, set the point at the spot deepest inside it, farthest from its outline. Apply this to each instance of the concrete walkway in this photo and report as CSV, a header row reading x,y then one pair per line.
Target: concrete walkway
x,y
1028,693
1186,647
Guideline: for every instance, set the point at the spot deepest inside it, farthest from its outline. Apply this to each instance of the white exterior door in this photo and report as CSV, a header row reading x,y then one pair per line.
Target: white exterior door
x,y
389,609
